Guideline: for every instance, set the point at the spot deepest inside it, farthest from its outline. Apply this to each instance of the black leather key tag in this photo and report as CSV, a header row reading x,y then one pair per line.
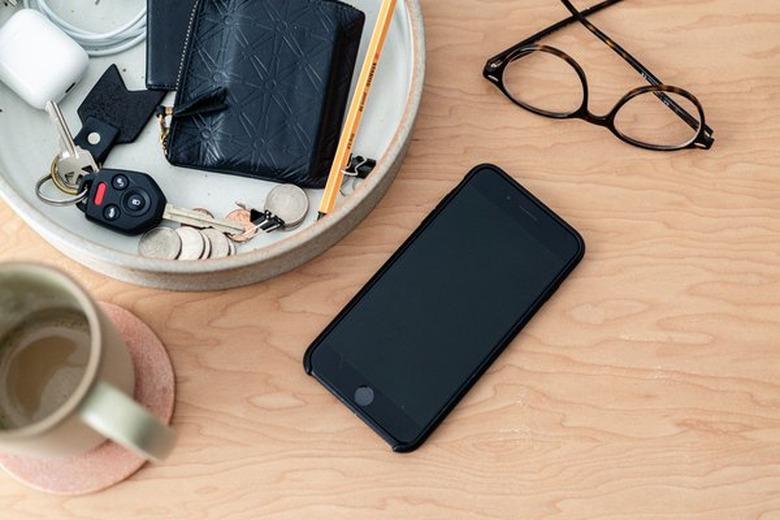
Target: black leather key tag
x,y
97,137
113,115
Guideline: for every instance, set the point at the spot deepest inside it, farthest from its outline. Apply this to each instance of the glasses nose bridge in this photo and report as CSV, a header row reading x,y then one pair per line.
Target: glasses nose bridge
x,y
595,119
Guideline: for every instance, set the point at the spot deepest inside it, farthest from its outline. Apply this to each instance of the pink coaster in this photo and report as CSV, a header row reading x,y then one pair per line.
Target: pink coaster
x,y
109,463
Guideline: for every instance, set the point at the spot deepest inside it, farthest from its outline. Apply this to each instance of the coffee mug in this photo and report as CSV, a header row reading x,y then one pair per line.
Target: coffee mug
x,y
66,376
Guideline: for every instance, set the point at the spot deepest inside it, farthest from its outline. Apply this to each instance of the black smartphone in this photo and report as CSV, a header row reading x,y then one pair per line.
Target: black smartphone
x,y
409,346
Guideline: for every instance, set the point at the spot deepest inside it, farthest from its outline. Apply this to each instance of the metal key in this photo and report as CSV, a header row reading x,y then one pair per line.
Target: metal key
x,y
198,219
72,162
132,203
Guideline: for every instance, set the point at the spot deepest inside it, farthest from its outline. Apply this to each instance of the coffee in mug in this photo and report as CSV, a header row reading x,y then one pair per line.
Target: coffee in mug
x,y
66,376
42,361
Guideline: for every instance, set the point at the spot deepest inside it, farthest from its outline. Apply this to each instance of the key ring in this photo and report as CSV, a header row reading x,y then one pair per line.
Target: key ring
x,y
58,182
60,203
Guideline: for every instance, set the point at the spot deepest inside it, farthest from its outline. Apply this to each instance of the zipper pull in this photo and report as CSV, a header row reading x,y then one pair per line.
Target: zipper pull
x,y
164,116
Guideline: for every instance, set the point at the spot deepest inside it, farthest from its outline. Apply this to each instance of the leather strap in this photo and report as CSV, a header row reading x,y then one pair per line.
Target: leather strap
x,y
114,113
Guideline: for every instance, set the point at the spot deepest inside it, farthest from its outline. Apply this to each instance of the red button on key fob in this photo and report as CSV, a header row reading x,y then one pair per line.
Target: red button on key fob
x,y
127,202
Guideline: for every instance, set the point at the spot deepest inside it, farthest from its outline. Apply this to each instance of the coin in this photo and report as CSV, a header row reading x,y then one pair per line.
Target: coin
x,y
233,249
192,243
288,202
160,243
206,246
243,217
220,245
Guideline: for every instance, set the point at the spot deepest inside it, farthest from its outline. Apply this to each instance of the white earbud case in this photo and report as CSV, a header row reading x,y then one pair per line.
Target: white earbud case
x,y
37,60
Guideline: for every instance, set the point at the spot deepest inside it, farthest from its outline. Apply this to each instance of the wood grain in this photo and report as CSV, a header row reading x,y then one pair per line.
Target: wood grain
x,y
648,388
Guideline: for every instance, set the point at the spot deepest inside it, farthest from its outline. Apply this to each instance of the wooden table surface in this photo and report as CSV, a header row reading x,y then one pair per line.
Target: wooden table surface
x,y
649,387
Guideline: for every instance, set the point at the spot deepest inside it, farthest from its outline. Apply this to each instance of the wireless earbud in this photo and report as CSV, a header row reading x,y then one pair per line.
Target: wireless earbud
x,y
37,60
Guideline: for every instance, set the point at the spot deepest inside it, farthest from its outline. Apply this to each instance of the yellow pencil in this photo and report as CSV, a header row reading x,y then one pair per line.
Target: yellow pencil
x,y
357,107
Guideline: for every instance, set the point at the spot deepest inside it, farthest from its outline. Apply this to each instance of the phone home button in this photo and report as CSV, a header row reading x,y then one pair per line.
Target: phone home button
x,y
364,396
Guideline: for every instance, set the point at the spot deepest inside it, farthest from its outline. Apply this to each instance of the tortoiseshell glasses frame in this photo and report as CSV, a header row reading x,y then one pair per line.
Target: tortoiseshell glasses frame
x,y
497,65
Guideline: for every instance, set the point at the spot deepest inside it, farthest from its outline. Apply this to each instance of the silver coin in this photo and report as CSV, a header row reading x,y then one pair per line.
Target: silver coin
x,y
288,202
233,249
162,243
192,243
220,245
206,246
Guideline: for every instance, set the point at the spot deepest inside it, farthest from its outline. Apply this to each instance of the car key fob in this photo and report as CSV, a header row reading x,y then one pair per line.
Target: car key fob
x,y
127,202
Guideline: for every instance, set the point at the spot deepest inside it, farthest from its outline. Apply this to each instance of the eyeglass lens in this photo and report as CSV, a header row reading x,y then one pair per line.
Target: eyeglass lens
x,y
646,119
545,82
548,83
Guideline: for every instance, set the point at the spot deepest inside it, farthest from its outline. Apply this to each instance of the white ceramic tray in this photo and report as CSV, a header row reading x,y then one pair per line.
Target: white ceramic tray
x,y
29,142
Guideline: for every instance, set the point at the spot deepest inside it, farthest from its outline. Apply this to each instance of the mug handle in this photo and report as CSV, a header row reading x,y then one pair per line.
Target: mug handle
x,y
113,414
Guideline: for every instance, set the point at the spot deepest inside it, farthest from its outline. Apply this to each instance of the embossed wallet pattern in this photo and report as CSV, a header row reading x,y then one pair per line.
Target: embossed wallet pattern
x,y
264,87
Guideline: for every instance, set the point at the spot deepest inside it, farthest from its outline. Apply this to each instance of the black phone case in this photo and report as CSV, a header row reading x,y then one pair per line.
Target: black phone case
x,y
399,446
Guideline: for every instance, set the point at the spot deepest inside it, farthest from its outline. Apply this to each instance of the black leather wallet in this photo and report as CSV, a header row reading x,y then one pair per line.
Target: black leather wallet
x,y
167,22
264,88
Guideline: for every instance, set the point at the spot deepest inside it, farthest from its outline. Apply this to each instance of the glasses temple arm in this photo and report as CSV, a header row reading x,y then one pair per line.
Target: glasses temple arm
x,y
550,30
641,69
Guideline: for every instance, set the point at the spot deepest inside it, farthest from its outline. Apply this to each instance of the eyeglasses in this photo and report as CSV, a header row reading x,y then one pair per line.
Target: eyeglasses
x,y
550,83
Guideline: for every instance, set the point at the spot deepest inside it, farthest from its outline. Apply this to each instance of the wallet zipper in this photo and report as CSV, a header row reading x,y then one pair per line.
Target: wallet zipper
x,y
165,113
187,38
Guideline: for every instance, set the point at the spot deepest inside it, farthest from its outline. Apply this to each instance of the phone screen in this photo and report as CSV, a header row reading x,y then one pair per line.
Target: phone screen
x,y
439,310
